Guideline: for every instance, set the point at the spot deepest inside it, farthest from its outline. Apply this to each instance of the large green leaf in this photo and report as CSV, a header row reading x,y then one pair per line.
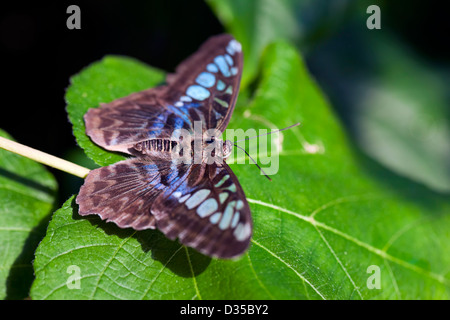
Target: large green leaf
x,y
328,216
27,196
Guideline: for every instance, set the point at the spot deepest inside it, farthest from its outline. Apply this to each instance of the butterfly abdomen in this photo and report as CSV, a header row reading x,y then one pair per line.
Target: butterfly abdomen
x,y
155,145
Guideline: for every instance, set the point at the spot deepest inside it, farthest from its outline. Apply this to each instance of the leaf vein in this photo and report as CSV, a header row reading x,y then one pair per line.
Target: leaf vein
x,y
339,261
159,273
290,267
261,284
108,263
193,274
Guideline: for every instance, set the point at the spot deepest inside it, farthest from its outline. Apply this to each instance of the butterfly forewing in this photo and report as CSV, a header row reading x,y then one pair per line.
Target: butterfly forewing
x,y
141,116
208,212
209,78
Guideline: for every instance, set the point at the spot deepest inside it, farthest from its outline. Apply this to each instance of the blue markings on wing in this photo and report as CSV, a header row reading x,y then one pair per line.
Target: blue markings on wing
x,y
154,126
155,129
158,125
223,65
228,59
212,67
206,79
220,85
178,123
182,114
173,174
197,92
185,99
233,47
230,49
150,167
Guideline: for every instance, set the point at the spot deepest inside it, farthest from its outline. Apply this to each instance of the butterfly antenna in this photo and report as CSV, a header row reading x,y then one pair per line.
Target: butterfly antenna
x,y
254,162
266,134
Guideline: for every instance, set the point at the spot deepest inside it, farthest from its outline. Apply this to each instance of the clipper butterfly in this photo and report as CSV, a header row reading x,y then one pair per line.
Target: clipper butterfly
x,y
200,203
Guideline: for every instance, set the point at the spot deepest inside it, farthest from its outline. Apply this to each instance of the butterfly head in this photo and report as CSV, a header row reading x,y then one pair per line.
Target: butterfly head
x,y
226,145
227,148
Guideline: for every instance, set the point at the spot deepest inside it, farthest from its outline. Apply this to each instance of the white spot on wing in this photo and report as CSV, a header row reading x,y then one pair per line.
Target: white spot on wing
x,y
212,67
185,99
223,196
197,92
220,85
242,231
227,216
228,59
207,207
235,45
197,198
235,219
223,65
177,194
221,182
184,198
229,90
221,102
232,188
206,79
215,217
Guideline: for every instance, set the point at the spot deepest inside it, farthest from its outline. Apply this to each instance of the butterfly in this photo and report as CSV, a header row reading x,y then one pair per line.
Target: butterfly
x,y
200,203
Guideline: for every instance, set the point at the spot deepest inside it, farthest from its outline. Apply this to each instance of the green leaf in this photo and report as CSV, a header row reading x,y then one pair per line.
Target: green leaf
x,y
103,82
27,193
328,217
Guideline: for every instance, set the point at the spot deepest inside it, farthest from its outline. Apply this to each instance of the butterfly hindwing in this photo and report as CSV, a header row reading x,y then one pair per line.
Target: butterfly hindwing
x,y
125,191
203,88
208,212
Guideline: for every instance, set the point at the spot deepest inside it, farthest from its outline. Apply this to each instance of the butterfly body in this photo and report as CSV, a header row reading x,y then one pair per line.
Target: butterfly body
x,y
177,180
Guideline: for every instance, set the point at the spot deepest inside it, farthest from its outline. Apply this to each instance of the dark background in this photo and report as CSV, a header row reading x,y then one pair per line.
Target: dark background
x,y
39,54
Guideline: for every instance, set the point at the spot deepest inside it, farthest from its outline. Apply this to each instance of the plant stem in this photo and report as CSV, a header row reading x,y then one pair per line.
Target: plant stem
x,y
44,158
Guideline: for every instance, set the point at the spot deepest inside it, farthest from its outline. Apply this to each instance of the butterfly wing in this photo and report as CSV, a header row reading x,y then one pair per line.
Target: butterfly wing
x,y
141,116
125,191
208,211
203,88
